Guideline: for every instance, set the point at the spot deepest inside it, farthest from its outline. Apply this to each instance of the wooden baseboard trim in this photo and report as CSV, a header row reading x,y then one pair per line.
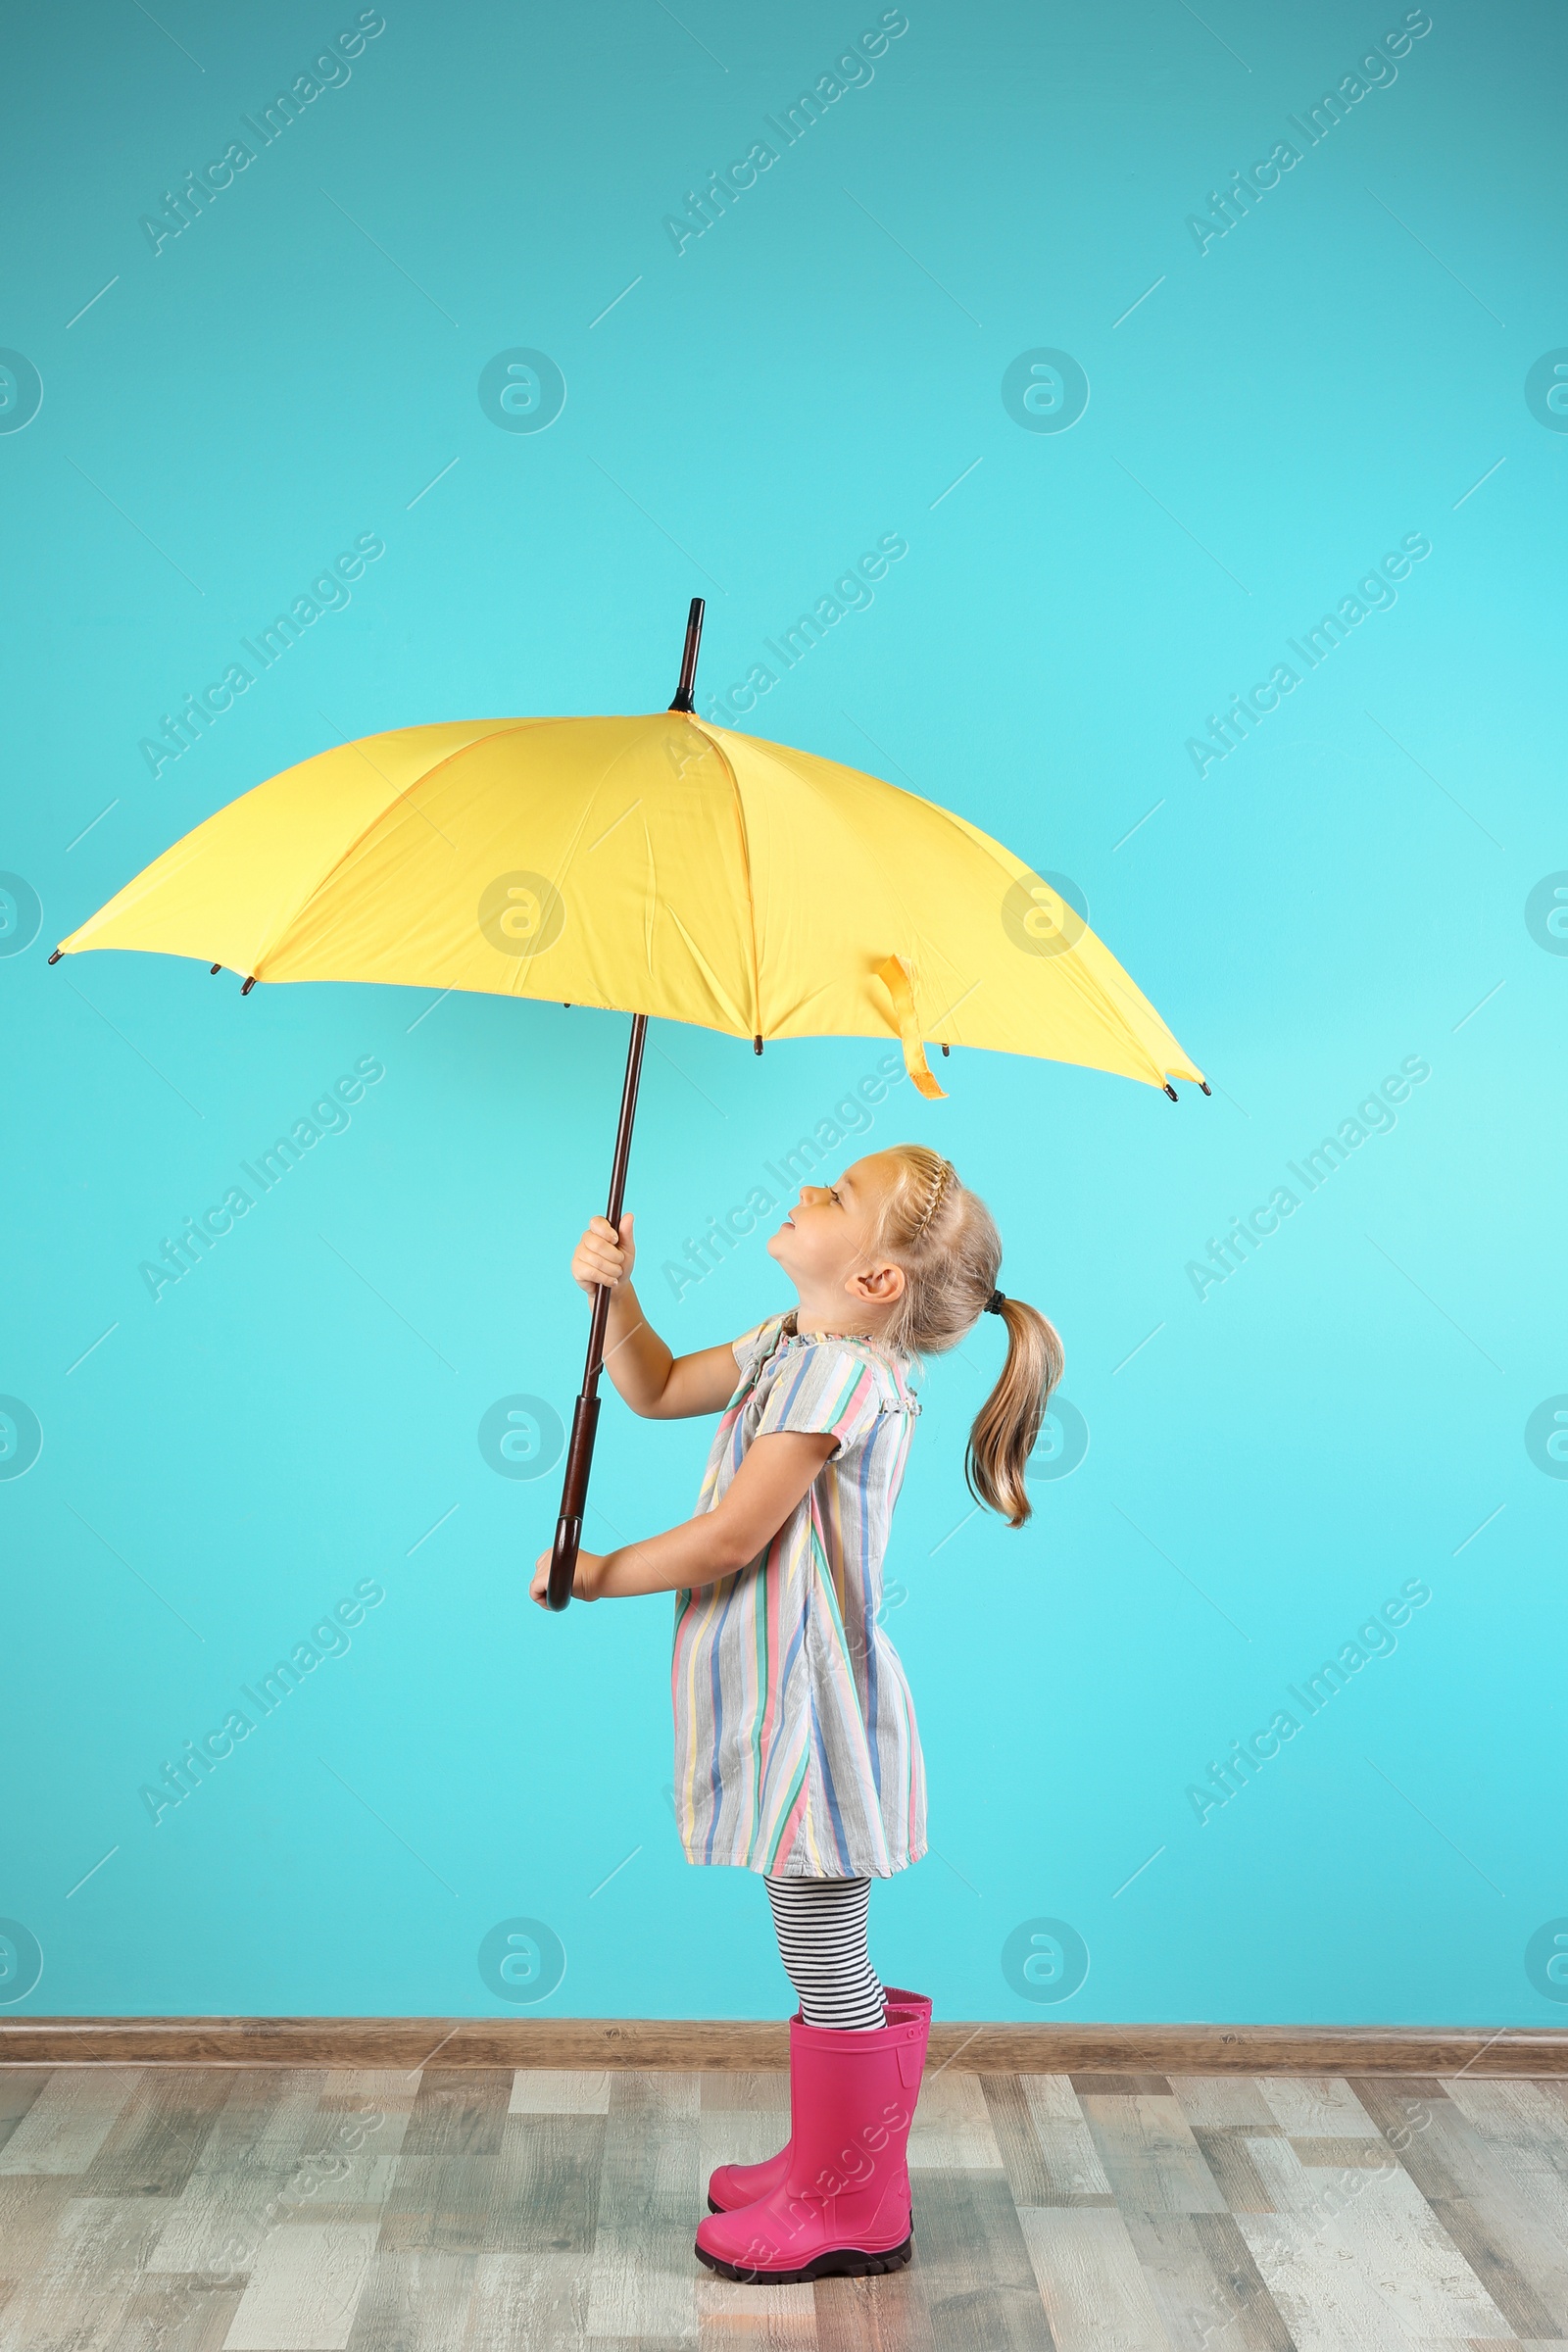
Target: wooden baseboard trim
x,y
687,2044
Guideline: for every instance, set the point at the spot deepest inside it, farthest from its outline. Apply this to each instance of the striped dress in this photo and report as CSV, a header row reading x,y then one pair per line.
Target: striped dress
x,y
796,1746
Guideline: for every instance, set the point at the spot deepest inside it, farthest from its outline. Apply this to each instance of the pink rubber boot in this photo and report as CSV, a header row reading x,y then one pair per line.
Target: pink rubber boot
x,y
733,2184
842,2208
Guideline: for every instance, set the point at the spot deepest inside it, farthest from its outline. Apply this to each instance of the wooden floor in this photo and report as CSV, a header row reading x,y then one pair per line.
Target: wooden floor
x,y
163,2209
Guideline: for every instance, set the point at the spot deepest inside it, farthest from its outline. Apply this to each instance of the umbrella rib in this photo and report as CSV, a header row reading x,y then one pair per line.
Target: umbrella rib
x,y
568,857
1097,995
912,928
738,807
1094,989
515,727
649,903
348,742
715,984
1100,994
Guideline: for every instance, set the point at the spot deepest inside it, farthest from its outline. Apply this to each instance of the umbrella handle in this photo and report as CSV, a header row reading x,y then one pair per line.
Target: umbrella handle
x,y
574,1493
585,1415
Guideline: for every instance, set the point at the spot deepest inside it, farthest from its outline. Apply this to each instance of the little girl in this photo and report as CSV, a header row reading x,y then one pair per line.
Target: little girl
x,y
795,1749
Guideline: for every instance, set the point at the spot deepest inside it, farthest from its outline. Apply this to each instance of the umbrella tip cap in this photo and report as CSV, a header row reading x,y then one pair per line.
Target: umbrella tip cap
x,y
688,667
55,957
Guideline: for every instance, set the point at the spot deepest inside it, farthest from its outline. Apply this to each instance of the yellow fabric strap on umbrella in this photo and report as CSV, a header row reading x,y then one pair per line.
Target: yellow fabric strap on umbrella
x,y
900,983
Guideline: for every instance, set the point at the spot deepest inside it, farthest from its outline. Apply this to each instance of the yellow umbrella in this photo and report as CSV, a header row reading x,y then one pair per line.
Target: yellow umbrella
x,y
657,866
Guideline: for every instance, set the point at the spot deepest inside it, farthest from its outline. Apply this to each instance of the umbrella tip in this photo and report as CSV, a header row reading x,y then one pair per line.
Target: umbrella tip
x,y
688,662
55,957
249,985
1204,1087
756,1044
216,969
1171,1090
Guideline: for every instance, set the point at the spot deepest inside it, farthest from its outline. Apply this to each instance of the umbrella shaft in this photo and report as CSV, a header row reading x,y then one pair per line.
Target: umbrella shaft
x,y
618,1188
585,1416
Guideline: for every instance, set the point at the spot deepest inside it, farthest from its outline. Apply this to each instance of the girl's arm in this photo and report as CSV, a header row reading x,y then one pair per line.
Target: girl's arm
x,y
775,1473
656,1383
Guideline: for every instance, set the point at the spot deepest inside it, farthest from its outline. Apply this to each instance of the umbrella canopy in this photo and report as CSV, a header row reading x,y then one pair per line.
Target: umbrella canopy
x,y
651,864
656,865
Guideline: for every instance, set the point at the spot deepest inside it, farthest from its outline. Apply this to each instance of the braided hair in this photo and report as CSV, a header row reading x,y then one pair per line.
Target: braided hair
x,y
943,1174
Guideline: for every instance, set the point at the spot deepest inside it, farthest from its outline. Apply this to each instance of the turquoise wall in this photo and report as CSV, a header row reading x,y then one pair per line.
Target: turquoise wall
x,y
1345,400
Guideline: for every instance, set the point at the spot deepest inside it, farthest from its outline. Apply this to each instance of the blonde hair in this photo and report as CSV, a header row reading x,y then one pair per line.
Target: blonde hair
x,y
945,1239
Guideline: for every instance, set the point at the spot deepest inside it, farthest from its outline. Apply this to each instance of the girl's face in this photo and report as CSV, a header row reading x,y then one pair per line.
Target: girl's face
x,y
825,1243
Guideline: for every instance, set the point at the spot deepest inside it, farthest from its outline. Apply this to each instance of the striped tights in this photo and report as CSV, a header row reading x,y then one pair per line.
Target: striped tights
x,y
821,1923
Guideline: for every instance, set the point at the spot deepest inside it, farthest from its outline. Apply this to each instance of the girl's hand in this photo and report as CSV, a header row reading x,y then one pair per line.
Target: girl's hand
x,y
601,1257
585,1581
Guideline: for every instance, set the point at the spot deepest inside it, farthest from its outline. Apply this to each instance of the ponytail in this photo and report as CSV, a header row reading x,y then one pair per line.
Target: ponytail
x,y
1008,1423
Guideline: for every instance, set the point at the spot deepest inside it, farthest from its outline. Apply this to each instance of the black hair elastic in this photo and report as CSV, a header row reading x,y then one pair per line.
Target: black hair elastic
x,y
995,1303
